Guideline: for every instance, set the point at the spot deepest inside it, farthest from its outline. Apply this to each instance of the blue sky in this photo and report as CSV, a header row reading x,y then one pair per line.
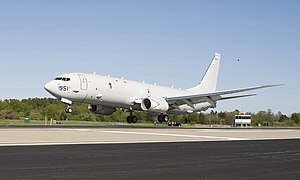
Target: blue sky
x,y
163,42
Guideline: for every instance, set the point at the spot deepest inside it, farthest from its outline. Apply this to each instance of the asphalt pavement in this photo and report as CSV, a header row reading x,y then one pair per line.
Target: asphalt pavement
x,y
259,159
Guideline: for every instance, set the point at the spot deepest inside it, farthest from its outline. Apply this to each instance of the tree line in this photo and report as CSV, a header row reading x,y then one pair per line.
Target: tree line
x,y
38,108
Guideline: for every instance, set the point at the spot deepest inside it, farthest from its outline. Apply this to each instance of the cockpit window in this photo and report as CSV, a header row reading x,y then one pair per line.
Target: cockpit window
x,y
62,79
58,78
66,79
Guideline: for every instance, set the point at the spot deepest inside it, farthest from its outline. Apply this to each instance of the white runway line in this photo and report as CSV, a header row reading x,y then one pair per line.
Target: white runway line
x,y
173,135
248,130
95,143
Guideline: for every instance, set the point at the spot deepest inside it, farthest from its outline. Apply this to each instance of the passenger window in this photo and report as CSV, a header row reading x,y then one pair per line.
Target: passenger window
x,y
110,85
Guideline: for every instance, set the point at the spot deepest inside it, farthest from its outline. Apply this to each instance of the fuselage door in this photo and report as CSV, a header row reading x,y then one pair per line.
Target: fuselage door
x,y
83,82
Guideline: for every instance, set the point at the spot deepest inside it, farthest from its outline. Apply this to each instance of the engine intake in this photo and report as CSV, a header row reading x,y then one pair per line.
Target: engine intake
x,y
153,104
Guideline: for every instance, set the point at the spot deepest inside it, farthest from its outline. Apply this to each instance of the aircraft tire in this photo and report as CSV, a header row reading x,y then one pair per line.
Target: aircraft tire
x,y
69,110
160,118
129,119
165,118
134,119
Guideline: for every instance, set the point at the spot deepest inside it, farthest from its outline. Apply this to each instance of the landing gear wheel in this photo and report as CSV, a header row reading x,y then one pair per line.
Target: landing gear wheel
x,y
132,119
129,119
163,118
159,118
69,110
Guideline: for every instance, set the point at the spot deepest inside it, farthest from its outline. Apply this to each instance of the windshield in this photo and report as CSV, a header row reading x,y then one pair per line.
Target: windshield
x,y
62,79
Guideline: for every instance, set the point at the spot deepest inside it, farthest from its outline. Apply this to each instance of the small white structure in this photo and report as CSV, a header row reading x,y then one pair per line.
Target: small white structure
x,y
242,120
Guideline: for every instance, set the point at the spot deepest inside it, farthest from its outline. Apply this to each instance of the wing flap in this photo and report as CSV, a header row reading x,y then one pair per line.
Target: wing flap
x,y
234,97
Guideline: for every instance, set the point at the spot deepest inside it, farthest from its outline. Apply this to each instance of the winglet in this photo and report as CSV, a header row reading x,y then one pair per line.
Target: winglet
x,y
275,85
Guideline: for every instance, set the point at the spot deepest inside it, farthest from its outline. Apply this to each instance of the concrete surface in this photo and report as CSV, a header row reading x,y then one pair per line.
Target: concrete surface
x,y
55,136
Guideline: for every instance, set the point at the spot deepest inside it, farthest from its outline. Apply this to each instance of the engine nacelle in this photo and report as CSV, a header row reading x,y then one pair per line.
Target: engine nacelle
x,y
102,110
153,104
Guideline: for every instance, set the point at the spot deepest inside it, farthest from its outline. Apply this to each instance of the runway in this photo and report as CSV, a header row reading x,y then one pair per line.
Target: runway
x,y
142,153
64,136
268,159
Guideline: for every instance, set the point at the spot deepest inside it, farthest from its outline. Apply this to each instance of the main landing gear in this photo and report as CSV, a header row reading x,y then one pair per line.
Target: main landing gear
x,y
163,118
132,119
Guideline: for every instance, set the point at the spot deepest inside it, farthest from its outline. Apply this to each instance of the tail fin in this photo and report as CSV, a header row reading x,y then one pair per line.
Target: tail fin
x,y
210,78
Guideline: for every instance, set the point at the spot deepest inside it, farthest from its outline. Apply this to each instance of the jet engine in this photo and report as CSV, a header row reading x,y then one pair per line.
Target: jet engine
x,y
102,110
153,104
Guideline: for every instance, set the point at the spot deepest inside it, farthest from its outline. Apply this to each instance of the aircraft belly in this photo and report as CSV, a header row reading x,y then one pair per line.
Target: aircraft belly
x,y
183,109
112,100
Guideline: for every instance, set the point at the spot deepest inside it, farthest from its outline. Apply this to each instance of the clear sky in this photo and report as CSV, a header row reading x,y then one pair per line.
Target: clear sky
x,y
158,41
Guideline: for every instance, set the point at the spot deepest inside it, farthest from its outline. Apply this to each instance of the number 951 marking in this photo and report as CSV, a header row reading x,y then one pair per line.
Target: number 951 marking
x,y
63,88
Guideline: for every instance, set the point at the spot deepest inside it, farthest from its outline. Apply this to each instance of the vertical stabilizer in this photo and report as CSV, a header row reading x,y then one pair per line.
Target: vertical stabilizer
x,y
210,78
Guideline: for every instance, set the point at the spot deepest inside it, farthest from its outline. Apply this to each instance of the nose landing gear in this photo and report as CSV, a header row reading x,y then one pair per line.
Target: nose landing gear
x,y
69,109
68,102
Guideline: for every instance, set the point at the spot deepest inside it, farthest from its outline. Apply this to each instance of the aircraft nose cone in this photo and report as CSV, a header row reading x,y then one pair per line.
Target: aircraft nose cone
x,y
49,87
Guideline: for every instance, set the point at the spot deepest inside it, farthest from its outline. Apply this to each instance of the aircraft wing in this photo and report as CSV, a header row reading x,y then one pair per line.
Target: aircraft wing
x,y
212,97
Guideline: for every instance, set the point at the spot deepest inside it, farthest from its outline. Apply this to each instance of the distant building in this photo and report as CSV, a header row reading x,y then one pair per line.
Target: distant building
x,y
242,120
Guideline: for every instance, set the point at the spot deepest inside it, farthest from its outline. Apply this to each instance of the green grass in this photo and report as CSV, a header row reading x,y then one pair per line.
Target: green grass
x,y
20,123
8,122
